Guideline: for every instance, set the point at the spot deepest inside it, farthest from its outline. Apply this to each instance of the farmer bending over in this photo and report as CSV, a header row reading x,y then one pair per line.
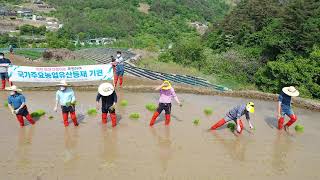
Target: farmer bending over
x,y
235,114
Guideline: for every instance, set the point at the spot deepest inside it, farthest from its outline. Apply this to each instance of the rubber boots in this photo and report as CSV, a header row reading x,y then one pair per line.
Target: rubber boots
x,y
168,118
154,118
218,124
113,119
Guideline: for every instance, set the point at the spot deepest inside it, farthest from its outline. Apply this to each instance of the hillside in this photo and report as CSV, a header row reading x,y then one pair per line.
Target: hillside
x,y
249,44
164,23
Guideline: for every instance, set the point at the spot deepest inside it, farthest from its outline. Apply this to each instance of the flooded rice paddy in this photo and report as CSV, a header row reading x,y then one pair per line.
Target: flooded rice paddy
x,y
133,150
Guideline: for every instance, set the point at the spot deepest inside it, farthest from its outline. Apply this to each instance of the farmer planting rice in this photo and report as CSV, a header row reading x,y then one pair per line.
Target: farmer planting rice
x,y
166,94
108,96
66,98
119,69
17,105
4,64
235,114
284,107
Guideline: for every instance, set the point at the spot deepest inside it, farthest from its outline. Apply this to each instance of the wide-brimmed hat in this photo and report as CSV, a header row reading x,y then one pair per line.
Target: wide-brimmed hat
x,y
291,91
63,83
13,88
167,87
106,89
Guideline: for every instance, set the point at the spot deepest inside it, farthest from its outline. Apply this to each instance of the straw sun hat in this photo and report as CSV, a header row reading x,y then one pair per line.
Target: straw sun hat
x,y
291,91
63,83
106,89
13,88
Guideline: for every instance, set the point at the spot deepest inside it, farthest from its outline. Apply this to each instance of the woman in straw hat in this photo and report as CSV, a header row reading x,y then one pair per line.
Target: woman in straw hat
x,y
284,107
17,105
67,100
108,96
235,114
166,94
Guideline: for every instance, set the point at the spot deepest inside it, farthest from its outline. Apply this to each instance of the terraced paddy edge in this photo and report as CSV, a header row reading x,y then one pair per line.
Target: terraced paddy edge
x,y
138,85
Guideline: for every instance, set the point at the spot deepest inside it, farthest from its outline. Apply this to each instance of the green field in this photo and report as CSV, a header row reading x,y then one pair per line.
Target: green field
x,y
29,54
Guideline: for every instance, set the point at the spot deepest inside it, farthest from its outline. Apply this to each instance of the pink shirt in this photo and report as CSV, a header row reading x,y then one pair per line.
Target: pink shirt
x,y
166,95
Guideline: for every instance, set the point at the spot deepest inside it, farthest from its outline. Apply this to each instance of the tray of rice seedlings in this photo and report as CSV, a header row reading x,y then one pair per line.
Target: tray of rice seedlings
x,y
6,104
299,128
38,113
196,122
124,103
208,111
92,112
231,126
134,116
151,107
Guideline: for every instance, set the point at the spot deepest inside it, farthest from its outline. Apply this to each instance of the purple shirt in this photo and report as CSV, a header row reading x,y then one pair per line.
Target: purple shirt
x,y
167,95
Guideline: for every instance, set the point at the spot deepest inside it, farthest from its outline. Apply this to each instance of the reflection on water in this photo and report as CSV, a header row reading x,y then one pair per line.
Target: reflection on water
x,y
70,142
110,147
236,147
24,146
282,146
164,146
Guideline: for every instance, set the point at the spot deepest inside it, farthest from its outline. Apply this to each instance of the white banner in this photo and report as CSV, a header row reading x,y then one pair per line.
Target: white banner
x,y
56,74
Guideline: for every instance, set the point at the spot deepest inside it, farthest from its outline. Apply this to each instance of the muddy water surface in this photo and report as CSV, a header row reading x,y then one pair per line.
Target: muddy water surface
x,y
135,151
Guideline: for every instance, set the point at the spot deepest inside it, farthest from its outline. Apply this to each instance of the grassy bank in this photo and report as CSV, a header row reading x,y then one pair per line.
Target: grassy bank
x,y
29,54
170,67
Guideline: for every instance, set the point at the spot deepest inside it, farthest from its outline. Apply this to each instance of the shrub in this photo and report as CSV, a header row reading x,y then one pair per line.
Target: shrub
x,y
302,73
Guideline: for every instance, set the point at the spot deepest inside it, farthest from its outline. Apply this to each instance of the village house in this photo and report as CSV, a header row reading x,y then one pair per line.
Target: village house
x,y
25,13
6,12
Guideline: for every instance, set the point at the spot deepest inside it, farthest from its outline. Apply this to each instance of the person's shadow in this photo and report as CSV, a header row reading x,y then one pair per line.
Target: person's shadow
x,y
272,122
70,142
281,152
164,147
110,151
24,146
236,148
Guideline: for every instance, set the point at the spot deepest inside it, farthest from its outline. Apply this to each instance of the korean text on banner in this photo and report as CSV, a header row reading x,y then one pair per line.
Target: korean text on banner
x,y
56,74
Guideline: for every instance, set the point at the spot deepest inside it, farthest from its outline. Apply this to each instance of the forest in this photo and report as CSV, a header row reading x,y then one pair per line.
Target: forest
x,y
259,44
